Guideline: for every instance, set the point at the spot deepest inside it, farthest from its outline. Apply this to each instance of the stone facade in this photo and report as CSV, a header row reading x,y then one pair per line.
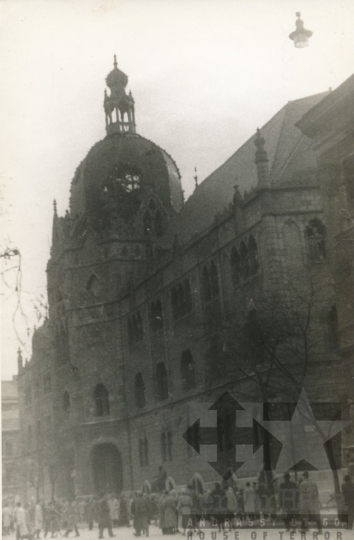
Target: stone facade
x,y
10,432
136,280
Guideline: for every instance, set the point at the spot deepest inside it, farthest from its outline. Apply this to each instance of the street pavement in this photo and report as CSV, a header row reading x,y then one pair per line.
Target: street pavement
x,y
126,533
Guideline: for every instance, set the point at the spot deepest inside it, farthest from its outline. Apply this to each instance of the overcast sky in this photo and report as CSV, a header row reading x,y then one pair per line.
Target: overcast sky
x,y
204,74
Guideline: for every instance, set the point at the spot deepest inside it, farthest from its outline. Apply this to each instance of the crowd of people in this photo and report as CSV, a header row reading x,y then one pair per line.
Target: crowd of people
x,y
225,505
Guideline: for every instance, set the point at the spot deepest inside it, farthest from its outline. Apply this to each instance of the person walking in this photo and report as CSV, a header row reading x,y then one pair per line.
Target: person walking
x,y
38,519
184,506
309,502
348,494
170,514
104,519
6,519
71,518
21,525
123,512
90,512
219,502
289,501
114,510
140,510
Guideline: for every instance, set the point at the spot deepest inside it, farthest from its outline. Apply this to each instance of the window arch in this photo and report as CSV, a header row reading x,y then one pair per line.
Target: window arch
x,y
206,287
66,401
235,263
253,255
214,280
245,263
139,391
161,382
101,397
316,234
187,370
158,223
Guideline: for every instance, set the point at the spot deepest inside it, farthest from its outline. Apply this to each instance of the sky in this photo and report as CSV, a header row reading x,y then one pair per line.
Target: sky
x,y
204,75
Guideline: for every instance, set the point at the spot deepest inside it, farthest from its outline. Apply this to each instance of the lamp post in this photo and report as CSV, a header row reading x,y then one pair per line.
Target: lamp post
x,y
300,36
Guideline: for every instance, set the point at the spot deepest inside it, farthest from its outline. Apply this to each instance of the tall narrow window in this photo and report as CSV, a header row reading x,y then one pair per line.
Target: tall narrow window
x,y
139,390
101,397
214,280
156,316
161,382
316,233
187,371
158,224
235,263
253,255
147,223
206,288
188,296
66,401
245,263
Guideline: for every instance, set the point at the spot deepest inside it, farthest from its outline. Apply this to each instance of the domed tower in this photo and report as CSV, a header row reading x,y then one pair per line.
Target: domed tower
x,y
123,196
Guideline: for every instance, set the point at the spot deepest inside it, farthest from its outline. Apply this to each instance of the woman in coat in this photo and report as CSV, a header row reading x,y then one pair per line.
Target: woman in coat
x,y
170,517
184,507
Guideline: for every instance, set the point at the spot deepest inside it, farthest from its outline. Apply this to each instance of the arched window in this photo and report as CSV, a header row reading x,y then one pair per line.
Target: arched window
x,y
101,397
139,391
214,280
187,370
245,263
156,316
206,288
158,224
161,381
188,296
316,233
66,401
163,446
180,301
174,302
147,223
235,263
253,255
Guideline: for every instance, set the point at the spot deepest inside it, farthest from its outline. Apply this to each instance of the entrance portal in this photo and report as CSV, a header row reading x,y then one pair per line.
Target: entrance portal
x,y
107,469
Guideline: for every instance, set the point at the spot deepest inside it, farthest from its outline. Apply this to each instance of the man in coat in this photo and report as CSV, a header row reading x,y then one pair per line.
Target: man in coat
x,y
348,494
219,505
104,518
141,510
309,502
288,500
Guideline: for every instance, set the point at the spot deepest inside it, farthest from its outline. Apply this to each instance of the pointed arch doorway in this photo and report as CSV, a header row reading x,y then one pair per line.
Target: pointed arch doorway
x,y
107,469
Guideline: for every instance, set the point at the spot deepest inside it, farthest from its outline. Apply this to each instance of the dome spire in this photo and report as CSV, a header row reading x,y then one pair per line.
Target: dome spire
x,y
118,106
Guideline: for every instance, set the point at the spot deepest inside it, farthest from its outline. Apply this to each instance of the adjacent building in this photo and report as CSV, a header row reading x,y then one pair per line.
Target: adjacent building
x,y
11,481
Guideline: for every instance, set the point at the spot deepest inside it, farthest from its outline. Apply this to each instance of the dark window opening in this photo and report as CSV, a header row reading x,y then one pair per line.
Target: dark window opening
x,y
235,263
316,234
206,287
139,389
245,262
187,371
101,397
161,382
147,223
158,224
253,255
156,316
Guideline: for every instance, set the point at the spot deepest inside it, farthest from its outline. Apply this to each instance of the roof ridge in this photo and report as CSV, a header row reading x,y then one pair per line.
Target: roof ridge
x,y
309,97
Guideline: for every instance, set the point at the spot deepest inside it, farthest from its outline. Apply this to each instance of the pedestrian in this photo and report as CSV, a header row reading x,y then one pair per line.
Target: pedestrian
x,y
140,510
249,501
123,512
231,506
309,503
348,494
38,519
90,512
184,506
289,501
6,519
71,519
114,510
104,518
21,525
219,502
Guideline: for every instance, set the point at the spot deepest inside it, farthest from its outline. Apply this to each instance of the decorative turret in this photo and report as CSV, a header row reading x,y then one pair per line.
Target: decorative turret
x,y
261,161
118,106
19,360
